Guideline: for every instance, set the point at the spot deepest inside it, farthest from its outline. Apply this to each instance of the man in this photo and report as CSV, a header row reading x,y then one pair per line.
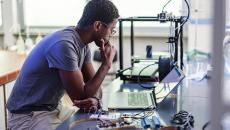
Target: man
x,y
61,61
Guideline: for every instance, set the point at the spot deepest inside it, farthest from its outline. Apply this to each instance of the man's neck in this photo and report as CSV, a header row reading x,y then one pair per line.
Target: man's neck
x,y
85,35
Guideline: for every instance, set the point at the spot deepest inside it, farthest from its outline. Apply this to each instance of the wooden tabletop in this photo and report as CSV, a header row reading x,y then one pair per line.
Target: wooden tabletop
x,y
10,64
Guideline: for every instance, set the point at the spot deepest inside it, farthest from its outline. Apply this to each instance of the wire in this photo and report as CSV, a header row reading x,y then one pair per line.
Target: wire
x,y
205,125
184,120
160,90
143,114
149,113
121,71
180,28
188,15
138,78
166,5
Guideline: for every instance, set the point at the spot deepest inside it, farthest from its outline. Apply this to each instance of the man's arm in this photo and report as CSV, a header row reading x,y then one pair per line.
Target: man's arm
x,y
88,73
73,81
76,87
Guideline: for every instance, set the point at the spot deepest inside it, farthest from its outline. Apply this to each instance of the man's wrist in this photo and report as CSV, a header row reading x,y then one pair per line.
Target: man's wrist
x,y
99,103
108,66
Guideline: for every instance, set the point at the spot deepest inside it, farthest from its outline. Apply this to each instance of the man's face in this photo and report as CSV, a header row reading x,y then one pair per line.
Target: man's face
x,y
107,31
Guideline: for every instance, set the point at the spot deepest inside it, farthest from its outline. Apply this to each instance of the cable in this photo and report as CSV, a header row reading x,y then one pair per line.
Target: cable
x,y
188,15
138,78
188,12
180,30
205,125
121,71
150,110
184,120
166,5
149,113
160,90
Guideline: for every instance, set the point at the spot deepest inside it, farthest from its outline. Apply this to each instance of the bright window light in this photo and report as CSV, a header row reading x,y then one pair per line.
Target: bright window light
x,y
129,8
0,13
132,8
68,12
53,12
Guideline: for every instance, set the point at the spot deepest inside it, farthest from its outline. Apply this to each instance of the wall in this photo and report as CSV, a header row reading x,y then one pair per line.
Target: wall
x,y
155,36
200,27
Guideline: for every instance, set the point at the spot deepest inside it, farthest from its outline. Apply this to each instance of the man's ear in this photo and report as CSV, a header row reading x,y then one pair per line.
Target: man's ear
x,y
97,25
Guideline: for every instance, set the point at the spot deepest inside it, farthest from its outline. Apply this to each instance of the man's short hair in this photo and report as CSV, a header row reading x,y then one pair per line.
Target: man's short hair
x,y
98,10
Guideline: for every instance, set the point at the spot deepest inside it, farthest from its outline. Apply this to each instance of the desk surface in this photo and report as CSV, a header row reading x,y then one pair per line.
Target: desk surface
x,y
191,96
10,63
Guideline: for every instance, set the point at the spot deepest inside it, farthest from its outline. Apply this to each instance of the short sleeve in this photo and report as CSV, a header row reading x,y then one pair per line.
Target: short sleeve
x,y
62,55
88,55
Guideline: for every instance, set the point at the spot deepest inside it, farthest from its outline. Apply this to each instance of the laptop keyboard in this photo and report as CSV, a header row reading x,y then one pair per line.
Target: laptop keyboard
x,y
137,99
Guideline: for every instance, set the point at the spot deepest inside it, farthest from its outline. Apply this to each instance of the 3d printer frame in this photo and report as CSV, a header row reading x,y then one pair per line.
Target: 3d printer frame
x,y
177,39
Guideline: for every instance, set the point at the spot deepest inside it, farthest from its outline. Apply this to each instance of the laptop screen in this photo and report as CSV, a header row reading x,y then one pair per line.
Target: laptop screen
x,y
166,86
175,75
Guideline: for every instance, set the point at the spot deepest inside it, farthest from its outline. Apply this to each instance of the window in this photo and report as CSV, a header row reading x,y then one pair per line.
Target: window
x,y
53,12
0,13
129,8
68,12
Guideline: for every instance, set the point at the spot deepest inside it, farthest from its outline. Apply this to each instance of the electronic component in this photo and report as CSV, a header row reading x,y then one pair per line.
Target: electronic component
x,y
162,17
111,116
120,128
120,124
156,122
171,39
145,122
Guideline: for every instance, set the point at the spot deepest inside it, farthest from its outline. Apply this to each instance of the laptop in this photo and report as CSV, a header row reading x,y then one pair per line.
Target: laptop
x,y
147,99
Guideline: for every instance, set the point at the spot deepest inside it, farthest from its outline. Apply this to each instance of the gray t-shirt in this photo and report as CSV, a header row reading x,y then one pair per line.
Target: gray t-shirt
x,y
38,86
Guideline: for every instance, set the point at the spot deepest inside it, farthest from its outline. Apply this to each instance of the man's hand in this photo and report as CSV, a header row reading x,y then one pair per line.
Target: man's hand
x,y
87,105
107,52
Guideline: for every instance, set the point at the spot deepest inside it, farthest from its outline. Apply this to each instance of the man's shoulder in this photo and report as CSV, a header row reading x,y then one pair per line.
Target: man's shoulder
x,y
68,34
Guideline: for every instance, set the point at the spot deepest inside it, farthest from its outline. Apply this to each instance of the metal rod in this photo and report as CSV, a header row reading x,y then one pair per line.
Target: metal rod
x,y
176,42
132,41
4,98
146,19
181,47
121,45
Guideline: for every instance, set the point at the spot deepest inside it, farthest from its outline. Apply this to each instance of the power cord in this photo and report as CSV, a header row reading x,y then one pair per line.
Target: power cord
x,y
138,78
119,72
205,125
188,15
183,120
179,35
148,111
166,5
